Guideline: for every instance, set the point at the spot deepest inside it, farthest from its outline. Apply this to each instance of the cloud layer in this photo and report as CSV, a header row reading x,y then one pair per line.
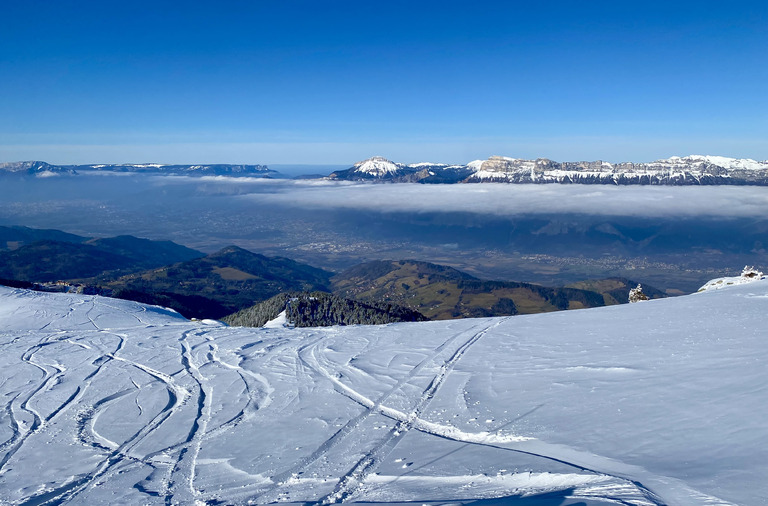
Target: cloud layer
x,y
510,200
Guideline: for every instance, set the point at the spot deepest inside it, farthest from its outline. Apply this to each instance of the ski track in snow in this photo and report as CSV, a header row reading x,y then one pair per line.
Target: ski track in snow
x,y
365,467
182,475
349,482
102,331
311,359
87,419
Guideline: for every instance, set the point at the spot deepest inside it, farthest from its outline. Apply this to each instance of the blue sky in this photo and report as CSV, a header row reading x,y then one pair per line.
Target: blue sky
x,y
333,82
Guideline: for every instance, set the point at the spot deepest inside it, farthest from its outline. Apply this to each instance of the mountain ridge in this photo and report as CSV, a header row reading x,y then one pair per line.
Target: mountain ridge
x,y
442,292
676,171
51,255
218,284
37,168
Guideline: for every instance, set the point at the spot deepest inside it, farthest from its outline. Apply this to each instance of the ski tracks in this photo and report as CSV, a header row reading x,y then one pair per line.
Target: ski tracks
x,y
651,489
198,349
20,408
366,465
350,482
310,358
182,475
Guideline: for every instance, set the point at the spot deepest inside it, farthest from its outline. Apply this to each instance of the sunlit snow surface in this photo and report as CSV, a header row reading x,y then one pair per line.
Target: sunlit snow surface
x,y
112,402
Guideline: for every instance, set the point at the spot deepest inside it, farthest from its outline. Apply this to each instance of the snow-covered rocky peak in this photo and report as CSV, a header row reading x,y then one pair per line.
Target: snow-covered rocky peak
x,y
475,164
505,163
748,275
696,161
504,169
376,166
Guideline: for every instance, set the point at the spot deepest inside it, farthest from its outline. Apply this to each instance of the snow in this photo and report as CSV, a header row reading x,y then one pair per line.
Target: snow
x,y
476,164
114,402
543,170
377,166
674,167
47,173
748,275
427,164
720,161
279,322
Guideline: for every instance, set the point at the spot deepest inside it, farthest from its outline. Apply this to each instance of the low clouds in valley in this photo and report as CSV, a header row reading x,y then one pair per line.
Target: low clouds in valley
x,y
506,200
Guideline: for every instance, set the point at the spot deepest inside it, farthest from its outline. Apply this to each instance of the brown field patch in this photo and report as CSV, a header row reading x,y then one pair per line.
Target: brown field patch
x,y
232,274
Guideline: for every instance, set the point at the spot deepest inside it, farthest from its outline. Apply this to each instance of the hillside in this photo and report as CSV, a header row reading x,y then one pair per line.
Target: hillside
x,y
318,309
16,236
50,255
171,275
144,252
615,290
441,292
648,404
231,279
53,260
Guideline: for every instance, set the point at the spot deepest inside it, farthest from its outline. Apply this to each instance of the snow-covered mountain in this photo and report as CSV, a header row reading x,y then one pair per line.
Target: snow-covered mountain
x,y
689,170
380,169
376,166
220,169
113,402
43,169
35,168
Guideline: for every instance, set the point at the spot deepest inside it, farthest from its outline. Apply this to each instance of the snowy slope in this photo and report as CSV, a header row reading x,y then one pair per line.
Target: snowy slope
x,y
748,275
113,402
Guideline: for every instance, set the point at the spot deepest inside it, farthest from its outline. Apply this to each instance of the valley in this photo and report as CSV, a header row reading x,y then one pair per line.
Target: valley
x,y
234,279
672,238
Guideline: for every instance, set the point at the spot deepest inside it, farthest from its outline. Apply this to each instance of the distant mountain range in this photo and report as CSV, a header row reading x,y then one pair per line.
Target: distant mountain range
x,y
676,171
689,170
44,169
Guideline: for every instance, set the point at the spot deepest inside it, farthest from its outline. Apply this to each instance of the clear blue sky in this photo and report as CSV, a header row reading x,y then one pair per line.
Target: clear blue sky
x,y
333,81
